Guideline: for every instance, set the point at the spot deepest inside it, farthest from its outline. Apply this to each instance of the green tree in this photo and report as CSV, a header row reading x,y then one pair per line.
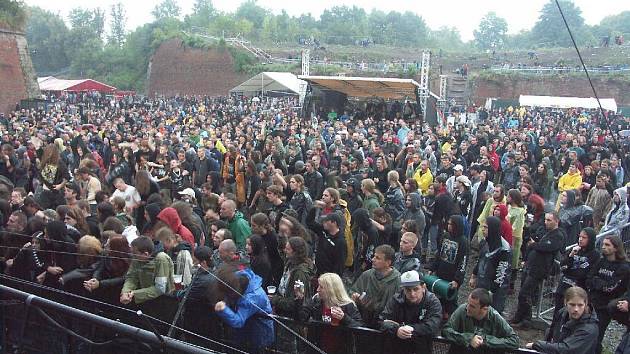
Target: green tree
x,y
12,14
550,31
118,22
85,40
46,34
225,24
614,25
202,15
379,26
491,32
252,12
344,25
166,9
447,38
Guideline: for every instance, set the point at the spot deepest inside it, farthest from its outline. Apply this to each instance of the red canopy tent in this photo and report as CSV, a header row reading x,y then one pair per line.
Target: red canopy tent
x,y
53,84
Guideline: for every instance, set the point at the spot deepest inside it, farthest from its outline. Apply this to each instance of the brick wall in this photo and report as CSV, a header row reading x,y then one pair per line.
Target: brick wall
x,y
179,70
512,88
12,83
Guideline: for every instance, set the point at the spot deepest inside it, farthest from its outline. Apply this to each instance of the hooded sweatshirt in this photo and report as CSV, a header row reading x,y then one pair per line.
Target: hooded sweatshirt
x,y
414,212
571,214
450,265
619,213
365,236
506,227
256,331
151,279
493,267
240,229
575,268
378,290
170,217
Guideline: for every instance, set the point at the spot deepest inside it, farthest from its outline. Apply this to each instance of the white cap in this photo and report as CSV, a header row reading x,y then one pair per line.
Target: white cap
x,y
464,180
188,191
410,278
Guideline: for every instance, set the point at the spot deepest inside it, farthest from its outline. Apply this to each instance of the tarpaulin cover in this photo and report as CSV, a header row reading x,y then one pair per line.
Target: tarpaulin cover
x,y
51,83
391,88
567,102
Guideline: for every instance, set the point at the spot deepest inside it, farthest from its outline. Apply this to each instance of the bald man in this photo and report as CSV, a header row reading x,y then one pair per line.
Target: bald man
x,y
236,223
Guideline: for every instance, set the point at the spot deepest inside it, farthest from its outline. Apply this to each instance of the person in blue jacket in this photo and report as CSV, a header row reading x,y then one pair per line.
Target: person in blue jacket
x,y
239,312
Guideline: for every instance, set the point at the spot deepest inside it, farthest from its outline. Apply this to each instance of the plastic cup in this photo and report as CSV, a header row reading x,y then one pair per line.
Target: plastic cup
x,y
271,290
177,279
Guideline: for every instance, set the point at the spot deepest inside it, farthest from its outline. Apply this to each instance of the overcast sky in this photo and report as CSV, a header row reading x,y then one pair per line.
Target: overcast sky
x,y
463,14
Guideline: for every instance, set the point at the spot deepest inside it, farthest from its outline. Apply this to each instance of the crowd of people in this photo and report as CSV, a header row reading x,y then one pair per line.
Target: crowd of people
x,y
240,207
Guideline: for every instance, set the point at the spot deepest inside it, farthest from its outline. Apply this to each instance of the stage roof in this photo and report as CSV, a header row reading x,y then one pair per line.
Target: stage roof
x,y
270,81
391,88
567,102
51,83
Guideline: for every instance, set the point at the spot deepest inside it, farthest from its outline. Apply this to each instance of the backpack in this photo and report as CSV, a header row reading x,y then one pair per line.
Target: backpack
x,y
347,233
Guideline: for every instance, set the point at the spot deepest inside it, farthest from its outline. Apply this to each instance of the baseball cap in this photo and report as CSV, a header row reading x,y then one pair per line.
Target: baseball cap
x,y
464,180
410,278
458,167
189,192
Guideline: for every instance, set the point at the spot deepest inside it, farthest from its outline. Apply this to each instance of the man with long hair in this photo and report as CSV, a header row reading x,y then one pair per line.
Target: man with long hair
x,y
575,328
608,280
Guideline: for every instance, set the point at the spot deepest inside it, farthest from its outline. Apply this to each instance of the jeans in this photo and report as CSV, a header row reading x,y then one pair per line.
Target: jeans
x,y
516,252
433,237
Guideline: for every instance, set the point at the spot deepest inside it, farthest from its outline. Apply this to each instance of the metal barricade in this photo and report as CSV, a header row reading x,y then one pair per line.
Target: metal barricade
x,y
549,286
28,321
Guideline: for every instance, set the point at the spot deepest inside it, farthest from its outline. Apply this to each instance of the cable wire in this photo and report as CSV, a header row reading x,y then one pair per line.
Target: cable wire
x,y
588,76
156,319
130,312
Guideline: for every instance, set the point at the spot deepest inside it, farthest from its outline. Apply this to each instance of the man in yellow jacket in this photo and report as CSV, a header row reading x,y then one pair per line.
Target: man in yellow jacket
x,y
423,176
568,181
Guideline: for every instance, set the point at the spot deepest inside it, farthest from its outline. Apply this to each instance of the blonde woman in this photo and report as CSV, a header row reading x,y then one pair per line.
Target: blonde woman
x,y
332,305
373,197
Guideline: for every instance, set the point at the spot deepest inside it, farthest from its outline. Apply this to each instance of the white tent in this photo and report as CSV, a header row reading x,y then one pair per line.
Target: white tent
x,y
567,102
271,81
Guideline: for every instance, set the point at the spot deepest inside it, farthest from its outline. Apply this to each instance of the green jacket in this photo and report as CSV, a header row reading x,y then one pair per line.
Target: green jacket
x,y
496,332
377,293
284,302
239,227
370,203
149,280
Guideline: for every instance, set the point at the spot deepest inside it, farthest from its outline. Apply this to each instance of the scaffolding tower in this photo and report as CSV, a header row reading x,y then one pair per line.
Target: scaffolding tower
x,y
306,69
423,91
443,100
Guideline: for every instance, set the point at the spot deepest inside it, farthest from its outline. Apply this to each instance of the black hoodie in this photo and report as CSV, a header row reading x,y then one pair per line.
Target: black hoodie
x,y
575,268
493,267
450,263
366,238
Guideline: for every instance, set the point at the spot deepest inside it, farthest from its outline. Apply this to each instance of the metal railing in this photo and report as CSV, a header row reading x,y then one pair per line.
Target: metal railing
x,y
30,328
59,328
550,284
558,70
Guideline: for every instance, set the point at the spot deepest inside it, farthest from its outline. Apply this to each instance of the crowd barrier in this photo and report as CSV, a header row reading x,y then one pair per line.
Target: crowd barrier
x,y
545,307
40,320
